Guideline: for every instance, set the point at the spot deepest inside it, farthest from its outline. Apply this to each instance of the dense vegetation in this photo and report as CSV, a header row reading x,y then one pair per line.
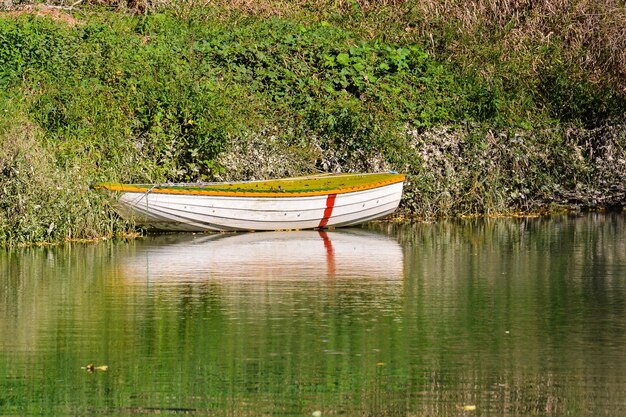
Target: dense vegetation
x,y
490,108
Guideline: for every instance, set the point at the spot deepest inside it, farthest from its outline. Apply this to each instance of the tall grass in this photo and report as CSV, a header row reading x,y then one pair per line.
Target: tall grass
x,y
41,201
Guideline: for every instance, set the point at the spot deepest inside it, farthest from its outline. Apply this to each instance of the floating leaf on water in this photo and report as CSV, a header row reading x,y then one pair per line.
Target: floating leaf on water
x,y
92,368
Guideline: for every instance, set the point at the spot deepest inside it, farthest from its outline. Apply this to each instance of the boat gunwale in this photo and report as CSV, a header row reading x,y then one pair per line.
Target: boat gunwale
x,y
197,190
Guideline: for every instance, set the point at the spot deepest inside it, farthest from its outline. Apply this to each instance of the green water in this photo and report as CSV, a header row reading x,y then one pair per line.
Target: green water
x,y
507,317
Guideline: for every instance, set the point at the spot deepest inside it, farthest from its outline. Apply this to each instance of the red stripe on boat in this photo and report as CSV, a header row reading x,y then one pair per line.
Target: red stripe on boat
x,y
330,203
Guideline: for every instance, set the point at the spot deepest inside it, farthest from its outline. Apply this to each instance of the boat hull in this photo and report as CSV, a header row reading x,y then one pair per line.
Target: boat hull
x,y
183,212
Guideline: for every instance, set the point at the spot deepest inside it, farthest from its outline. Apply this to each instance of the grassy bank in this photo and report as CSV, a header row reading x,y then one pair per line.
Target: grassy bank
x,y
485,115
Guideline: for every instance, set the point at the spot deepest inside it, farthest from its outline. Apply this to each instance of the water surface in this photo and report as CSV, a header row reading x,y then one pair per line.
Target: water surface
x,y
506,317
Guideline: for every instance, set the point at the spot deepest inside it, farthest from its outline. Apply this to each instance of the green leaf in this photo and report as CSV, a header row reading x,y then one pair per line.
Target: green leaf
x,y
343,59
359,66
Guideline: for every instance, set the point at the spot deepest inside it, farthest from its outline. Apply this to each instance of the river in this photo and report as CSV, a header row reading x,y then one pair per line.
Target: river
x,y
502,317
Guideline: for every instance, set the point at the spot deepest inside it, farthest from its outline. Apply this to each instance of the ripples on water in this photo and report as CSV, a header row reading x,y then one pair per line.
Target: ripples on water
x,y
510,317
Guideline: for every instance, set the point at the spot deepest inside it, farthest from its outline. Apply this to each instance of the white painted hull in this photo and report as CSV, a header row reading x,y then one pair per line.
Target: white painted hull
x,y
184,212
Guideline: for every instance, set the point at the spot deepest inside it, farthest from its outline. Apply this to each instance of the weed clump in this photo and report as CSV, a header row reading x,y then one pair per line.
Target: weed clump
x,y
39,202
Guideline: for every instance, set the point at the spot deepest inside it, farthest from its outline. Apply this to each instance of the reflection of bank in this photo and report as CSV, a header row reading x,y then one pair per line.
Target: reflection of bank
x,y
295,255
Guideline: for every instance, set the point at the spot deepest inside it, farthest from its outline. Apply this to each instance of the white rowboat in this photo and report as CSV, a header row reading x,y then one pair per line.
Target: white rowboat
x,y
312,202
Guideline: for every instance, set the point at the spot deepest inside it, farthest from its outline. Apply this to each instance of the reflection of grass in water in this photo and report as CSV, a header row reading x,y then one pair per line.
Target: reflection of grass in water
x,y
430,346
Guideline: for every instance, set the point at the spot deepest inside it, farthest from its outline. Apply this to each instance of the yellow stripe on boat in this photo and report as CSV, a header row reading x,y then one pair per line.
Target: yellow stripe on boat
x,y
290,187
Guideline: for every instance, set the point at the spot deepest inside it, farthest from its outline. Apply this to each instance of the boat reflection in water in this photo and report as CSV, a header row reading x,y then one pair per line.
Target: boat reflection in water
x,y
281,256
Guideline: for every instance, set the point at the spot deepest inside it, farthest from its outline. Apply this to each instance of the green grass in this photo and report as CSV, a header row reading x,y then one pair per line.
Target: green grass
x,y
197,94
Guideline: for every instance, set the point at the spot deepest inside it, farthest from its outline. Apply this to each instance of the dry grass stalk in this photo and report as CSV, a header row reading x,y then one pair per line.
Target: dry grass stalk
x,y
42,10
592,31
